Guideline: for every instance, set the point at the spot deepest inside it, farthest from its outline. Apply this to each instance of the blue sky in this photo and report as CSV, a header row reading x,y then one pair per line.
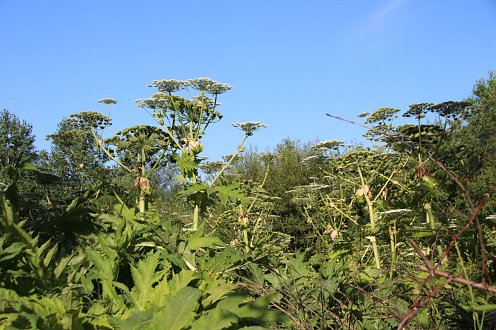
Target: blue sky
x,y
289,61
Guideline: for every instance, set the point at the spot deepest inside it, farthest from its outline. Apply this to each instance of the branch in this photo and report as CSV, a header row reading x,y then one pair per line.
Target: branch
x,y
476,212
454,278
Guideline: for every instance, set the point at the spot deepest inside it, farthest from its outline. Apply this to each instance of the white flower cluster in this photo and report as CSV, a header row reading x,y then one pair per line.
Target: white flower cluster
x,y
328,144
210,86
201,84
250,126
107,101
170,85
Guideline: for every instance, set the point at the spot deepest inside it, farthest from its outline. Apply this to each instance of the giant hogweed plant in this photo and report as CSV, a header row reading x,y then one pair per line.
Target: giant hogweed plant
x,y
141,150
418,205
356,186
185,121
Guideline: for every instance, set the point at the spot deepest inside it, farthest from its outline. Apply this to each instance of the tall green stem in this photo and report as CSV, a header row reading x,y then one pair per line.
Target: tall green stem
x,y
431,220
100,144
372,217
229,162
196,210
392,241
142,194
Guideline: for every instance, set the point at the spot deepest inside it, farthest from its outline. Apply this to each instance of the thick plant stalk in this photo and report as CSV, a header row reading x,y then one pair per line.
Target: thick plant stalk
x,y
196,211
431,220
392,240
244,223
373,221
246,240
372,238
196,217
142,192
142,202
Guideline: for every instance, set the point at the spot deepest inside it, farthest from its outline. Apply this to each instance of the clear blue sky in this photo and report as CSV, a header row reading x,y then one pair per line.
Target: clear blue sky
x,y
289,61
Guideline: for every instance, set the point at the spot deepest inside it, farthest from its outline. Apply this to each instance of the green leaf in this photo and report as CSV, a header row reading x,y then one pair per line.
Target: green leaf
x,y
259,309
181,280
231,193
216,290
179,309
246,308
123,211
187,164
203,242
144,277
26,165
258,274
11,251
62,265
221,261
215,319
136,321
49,255
194,189
42,248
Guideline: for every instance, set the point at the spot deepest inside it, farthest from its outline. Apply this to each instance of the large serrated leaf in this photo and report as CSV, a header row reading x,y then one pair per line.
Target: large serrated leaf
x,y
179,310
232,193
247,308
216,290
203,242
181,280
144,278
215,319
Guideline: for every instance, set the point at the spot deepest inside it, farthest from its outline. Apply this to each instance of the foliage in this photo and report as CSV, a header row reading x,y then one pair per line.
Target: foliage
x,y
16,141
147,234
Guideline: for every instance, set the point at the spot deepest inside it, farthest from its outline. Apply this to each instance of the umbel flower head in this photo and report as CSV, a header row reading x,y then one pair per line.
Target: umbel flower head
x,y
209,86
328,144
249,126
107,101
170,85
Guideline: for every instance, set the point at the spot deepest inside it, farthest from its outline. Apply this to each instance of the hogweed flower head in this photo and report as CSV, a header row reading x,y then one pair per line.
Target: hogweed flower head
x,y
309,158
170,85
210,86
107,101
328,144
250,126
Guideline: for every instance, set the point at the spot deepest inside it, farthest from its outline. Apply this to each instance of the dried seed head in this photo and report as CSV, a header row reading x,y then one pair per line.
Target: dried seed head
x,y
141,183
243,220
420,170
365,190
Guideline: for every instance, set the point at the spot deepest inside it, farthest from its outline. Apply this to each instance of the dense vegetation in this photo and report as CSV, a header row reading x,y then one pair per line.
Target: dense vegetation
x,y
139,231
